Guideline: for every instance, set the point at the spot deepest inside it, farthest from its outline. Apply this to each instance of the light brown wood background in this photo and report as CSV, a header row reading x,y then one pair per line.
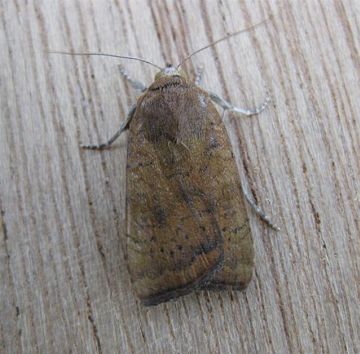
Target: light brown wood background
x,y
64,285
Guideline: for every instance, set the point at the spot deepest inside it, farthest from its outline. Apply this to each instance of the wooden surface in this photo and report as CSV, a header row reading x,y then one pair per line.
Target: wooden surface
x,y
64,283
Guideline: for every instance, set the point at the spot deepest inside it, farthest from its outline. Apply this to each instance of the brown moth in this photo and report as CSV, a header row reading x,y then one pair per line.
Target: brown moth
x,y
187,225
186,219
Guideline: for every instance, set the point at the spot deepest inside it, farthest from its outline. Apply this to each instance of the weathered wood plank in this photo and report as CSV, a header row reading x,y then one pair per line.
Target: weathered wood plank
x,y
64,282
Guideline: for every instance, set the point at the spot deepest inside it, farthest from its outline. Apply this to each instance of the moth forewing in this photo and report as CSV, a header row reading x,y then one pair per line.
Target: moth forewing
x,y
187,223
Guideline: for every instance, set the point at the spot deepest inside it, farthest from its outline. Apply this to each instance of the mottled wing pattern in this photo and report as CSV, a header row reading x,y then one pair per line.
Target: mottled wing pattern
x,y
185,208
230,211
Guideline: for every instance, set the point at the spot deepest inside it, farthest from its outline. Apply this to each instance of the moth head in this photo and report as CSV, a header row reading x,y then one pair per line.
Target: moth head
x,y
170,71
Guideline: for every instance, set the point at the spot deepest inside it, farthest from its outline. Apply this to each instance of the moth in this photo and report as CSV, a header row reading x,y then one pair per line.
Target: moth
x,y
187,225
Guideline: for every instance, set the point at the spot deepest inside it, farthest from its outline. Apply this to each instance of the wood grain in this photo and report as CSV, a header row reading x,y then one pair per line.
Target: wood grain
x,y
64,282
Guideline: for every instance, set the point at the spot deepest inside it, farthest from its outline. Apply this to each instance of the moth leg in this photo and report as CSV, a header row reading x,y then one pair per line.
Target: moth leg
x,y
124,126
137,85
247,112
260,212
199,75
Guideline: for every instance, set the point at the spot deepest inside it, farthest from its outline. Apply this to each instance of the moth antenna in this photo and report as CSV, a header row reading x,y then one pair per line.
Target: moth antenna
x,y
107,55
222,39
